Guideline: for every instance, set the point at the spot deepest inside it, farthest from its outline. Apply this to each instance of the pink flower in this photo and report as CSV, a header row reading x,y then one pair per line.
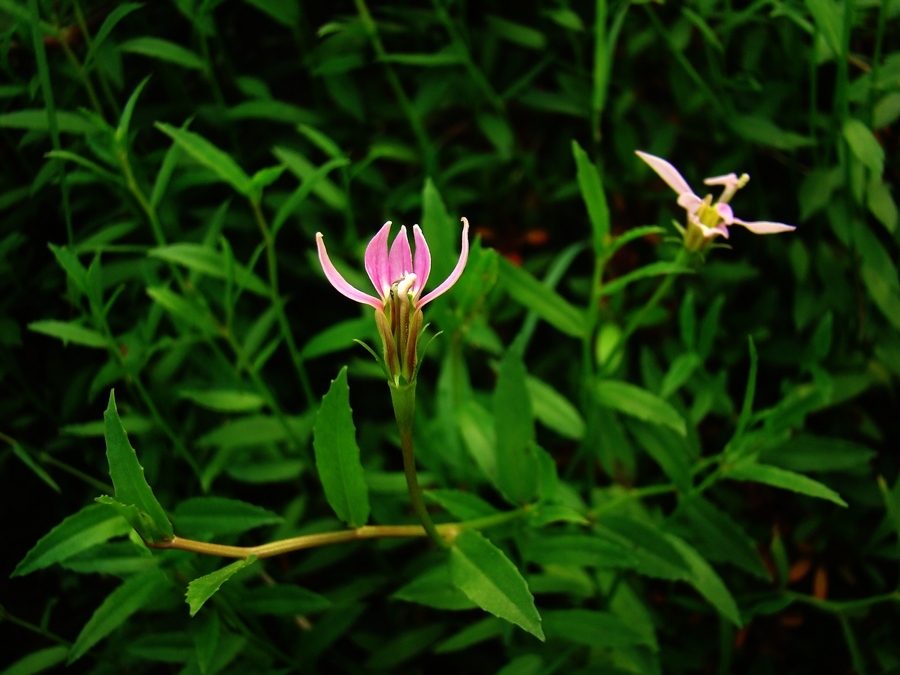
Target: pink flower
x,y
706,219
399,279
386,268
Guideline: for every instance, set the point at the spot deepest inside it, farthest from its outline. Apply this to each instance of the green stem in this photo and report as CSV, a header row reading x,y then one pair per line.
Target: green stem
x,y
638,317
446,533
635,493
46,458
404,399
6,616
275,295
394,82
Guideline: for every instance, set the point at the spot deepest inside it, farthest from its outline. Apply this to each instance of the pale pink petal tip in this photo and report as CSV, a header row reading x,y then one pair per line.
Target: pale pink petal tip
x,y
727,180
765,227
667,172
457,271
340,284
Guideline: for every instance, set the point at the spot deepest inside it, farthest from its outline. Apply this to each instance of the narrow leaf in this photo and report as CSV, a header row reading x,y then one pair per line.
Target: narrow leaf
x,y
632,400
541,299
130,597
207,154
69,332
157,48
786,480
128,478
203,588
707,582
218,516
593,196
481,571
337,455
88,527
514,431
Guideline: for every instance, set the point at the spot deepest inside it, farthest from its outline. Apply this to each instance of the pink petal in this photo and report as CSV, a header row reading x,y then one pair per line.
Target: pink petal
x,y
335,279
725,213
729,180
457,271
765,227
400,257
667,172
422,263
377,260
690,202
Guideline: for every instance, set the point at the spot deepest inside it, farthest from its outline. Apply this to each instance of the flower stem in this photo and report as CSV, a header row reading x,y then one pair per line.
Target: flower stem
x,y
638,317
404,399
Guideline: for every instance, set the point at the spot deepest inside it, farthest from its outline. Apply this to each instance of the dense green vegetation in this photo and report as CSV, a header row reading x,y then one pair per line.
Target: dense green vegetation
x,y
643,448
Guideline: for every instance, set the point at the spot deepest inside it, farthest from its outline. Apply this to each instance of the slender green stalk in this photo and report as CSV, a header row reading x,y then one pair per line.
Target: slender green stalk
x,y
638,317
82,73
105,488
446,533
403,398
417,128
635,493
40,54
88,40
275,295
40,630
474,71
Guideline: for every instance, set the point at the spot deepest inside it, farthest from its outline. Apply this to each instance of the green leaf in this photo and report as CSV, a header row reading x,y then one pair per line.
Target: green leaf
x,y
114,17
337,455
157,48
486,629
463,505
441,230
594,198
707,582
655,556
218,516
516,33
132,596
667,449
38,662
282,599
541,299
514,432
435,588
170,647
26,458
128,479
69,332
225,400
582,550
406,645
305,170
336,337
285,13
762,130
125,120
555,411
718,536
208,155
679,373
786,480
481,571
827,15
640,403
211,262
652,270
298,196
864,145
181,308
808,452
76,272
203,588
591,628
36,120
88,527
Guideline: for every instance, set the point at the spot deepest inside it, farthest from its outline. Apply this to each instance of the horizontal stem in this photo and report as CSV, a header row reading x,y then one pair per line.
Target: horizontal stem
x,y
448,532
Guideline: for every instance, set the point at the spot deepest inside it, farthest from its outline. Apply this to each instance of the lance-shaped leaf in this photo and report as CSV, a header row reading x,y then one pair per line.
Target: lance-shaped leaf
x,y
134,499
203,588
786,480
541,299
214,159
632,400
594,197
481,571
514,431
337,455
78,532
130,597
